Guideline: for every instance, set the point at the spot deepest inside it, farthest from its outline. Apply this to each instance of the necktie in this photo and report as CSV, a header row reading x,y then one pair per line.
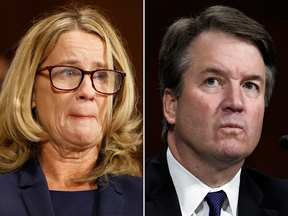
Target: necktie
x,y
215,201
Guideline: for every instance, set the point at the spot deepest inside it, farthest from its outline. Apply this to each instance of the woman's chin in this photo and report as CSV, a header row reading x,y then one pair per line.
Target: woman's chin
x,y
83,137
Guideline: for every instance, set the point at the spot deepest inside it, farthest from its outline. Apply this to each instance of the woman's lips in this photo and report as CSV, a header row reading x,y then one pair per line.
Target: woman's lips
x,y
83,117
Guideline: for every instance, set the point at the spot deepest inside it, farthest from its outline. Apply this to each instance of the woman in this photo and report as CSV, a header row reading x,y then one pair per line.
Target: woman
x,y
68,126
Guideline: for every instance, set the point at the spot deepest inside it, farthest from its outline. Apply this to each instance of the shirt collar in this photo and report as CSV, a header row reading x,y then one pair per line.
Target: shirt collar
x,y
187,185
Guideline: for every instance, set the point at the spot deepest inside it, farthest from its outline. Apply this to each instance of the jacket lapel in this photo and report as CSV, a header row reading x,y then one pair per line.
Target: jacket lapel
x,y
36,196
107,194
35,192
161,197
251,198
165,203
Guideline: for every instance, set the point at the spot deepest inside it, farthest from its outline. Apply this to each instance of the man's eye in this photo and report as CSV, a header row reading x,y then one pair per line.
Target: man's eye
x,y
250,86
212,81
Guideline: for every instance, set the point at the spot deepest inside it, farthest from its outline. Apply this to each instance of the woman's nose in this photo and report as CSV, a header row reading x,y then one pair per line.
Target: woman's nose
x,y
86,90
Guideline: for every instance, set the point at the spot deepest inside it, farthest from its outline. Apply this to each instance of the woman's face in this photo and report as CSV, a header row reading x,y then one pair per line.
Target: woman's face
x,y
74,118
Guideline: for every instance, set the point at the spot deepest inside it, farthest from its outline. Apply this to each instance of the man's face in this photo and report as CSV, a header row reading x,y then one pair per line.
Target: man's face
x,y
219,114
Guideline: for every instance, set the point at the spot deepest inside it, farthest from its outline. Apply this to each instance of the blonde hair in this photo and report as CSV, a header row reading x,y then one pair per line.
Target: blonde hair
x,y
20,132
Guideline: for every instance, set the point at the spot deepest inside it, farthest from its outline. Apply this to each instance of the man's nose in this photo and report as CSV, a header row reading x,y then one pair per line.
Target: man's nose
x,y
233,98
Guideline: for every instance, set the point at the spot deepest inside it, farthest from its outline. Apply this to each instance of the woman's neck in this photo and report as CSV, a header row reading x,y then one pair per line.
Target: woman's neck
x,y
62,166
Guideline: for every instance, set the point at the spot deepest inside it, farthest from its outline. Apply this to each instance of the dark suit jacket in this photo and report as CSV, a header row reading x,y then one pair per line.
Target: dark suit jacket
x,y
25,192
259,194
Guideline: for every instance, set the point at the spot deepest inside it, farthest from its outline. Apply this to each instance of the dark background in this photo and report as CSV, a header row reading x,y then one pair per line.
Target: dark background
x,y
127,15
267,157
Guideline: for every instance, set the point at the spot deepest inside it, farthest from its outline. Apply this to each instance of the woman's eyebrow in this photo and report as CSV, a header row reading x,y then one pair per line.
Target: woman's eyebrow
x,y
97,64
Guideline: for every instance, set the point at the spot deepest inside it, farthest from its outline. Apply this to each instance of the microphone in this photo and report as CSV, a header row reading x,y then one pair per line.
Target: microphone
x,y
283,142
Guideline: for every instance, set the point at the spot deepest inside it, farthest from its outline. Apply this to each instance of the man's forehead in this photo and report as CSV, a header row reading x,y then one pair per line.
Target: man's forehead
x,y
221,53
209,32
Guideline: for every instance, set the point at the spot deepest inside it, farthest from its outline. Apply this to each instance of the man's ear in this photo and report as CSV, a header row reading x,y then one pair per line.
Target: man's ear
x,y
169,106
33,100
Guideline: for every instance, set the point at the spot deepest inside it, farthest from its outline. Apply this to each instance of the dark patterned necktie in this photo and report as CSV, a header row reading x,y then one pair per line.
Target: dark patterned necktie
x,y
215,201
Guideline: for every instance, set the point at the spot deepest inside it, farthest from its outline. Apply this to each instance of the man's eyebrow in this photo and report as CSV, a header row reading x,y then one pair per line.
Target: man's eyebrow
x,y
219,71
212,70
255,77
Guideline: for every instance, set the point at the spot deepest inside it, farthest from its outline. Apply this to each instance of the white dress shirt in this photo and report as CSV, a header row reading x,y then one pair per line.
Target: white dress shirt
x,y
191,191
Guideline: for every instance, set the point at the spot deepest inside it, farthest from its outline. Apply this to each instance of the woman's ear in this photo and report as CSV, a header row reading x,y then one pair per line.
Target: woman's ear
x,y
33,100
169,106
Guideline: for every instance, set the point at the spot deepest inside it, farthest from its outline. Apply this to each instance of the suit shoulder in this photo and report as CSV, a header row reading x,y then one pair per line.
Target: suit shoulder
x,y
156,164
148,161
131,186
123,181
8,180
259,174
10,195
267,182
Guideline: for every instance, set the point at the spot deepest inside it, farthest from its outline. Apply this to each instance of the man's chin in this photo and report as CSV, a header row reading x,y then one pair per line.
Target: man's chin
x,y
230,158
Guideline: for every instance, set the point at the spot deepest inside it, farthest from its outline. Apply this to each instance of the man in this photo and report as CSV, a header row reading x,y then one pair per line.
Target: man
x,y
217,72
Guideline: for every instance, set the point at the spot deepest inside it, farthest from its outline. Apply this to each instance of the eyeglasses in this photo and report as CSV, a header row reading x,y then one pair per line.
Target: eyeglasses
x,y
68,78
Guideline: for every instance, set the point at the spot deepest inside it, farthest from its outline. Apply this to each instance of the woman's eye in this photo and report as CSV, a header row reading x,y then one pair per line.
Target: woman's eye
x,y
212,81
65,72
69,73
100,75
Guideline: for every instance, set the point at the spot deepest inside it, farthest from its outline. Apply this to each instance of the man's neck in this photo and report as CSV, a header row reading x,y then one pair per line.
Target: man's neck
x,y
212,172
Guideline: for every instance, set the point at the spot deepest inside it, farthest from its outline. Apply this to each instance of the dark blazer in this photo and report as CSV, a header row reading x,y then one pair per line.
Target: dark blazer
x,y
259,194
25,192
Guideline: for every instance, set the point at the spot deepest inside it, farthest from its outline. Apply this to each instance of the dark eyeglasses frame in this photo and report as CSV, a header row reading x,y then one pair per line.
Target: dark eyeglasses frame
x,y
49,68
